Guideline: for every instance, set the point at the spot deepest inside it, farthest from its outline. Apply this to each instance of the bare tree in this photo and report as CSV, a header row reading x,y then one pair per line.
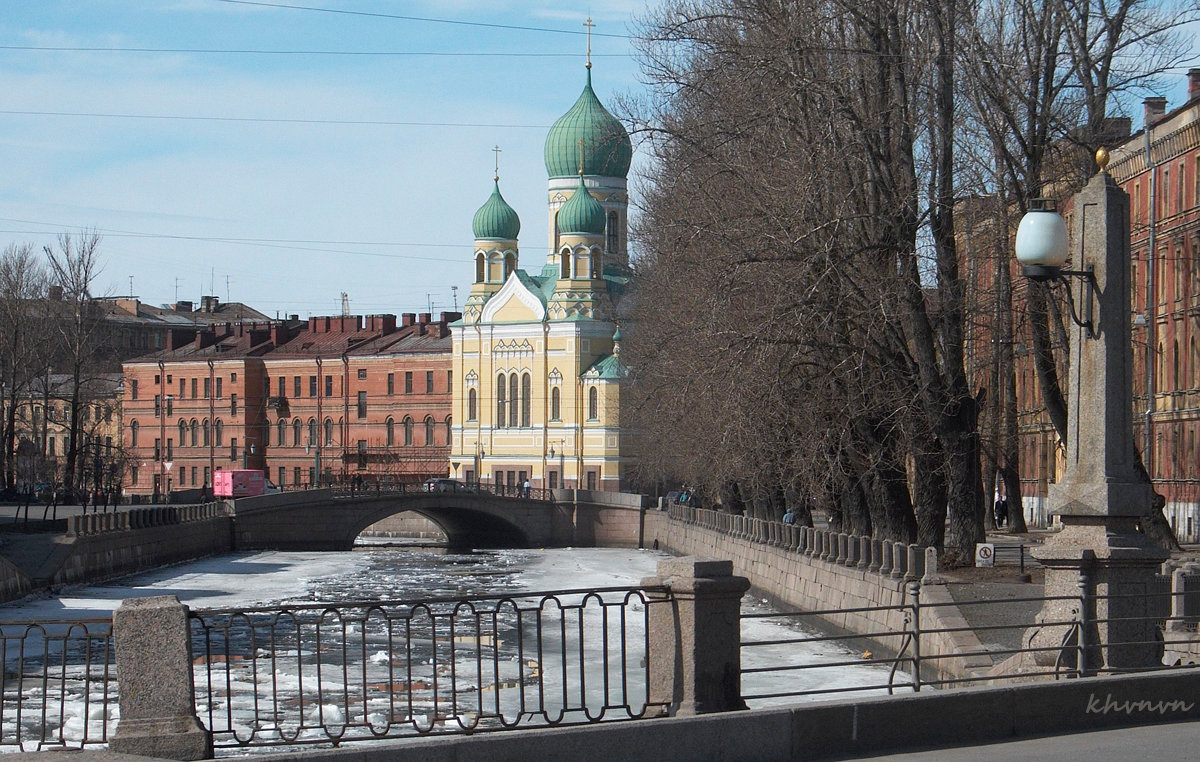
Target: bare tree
x,y
23,345
83,341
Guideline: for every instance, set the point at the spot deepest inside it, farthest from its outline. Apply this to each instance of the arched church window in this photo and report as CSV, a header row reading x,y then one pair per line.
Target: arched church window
x,y
133,433
449,430
429,431
312,431
390,432
593,404
193,432
296,433
408,431
472,401
526,393
182,433
557,233
479,267
513,400
611,234
595,254
565,266
328,431
510,264
555,404
500,400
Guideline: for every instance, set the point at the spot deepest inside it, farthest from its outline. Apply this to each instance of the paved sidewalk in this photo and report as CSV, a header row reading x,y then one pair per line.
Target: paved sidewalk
x,y
1161,743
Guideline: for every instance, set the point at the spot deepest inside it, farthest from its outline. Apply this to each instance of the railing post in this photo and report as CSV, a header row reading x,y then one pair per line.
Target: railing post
x,y
914,602
154,661
885,563
1082,639
695,636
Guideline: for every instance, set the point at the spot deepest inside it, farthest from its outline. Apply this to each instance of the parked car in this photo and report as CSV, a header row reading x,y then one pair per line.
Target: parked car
x,y
444,485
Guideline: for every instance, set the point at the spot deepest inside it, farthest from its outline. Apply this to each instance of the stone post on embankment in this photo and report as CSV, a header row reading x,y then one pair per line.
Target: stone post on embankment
x,y
695,636
154,668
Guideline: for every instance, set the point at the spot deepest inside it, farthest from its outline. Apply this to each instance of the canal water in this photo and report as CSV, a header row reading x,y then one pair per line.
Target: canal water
x,y
375,573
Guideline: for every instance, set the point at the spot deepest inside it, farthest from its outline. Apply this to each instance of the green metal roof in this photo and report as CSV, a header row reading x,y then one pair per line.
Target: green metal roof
x,y
582,214
607,149
607,367
496,219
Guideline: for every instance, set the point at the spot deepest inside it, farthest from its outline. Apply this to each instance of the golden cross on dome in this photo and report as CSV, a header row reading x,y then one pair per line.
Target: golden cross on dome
x,y
496,150
589,26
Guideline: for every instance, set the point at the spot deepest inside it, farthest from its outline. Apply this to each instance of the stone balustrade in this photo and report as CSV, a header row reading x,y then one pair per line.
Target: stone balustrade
x,y
894,560
90,524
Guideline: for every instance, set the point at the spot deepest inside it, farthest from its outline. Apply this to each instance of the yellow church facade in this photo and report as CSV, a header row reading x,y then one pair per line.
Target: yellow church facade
x,y
536,356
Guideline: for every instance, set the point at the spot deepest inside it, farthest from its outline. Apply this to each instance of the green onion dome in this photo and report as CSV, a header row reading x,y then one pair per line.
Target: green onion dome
x,y
582,214
496,219
607,149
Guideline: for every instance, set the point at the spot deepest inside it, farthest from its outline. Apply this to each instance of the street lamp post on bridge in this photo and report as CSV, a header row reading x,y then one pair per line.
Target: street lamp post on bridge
x,y
562,482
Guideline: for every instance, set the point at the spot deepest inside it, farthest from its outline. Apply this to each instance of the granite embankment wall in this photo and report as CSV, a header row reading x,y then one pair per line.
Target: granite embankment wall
x,y
102,546
838,574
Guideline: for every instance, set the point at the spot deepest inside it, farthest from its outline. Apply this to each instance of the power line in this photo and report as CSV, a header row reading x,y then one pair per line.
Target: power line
x,y
251,51
424,19
269,120
295,244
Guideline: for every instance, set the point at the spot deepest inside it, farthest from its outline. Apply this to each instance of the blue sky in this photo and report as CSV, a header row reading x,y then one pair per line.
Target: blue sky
x,y
281,214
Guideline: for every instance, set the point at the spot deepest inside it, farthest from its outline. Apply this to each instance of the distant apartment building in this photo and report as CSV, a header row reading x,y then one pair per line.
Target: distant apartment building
x,y
328,400
42,432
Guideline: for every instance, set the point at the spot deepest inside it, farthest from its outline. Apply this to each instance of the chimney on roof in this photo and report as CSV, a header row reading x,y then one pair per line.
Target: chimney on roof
x,y
178,337
293,317
183,306
1193,83
381,324
450,317
426,317
209,303
1155,107
407,319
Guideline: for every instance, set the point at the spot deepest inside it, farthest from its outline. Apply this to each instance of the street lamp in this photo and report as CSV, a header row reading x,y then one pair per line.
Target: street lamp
x,y
562,481
480,454
1042,248
1101,495
316,451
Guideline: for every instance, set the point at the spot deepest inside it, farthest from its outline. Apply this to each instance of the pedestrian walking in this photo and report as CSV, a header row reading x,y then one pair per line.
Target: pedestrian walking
x,y
1000,512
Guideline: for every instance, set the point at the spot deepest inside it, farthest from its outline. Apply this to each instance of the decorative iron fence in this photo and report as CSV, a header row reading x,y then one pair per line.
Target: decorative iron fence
x,y
59,684
371,670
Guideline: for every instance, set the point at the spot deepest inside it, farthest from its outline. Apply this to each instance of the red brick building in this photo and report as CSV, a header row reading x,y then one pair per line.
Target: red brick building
x,y
327,400
1159,167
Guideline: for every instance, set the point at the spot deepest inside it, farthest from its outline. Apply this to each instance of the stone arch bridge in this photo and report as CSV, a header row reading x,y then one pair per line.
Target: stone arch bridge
x,y
324,520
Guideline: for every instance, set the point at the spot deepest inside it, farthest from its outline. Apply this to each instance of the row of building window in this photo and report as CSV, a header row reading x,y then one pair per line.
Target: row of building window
x,y
509,404
201,434
86,413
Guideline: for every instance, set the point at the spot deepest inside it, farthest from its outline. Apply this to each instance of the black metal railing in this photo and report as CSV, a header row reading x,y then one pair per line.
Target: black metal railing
x,y
59,686
409,488
371,670
910,651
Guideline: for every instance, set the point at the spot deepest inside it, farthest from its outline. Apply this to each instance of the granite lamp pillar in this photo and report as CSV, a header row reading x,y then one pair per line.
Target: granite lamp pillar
x,y
1099,558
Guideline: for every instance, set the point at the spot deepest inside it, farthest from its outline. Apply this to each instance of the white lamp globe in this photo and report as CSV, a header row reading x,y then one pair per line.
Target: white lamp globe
x,y
1042,239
